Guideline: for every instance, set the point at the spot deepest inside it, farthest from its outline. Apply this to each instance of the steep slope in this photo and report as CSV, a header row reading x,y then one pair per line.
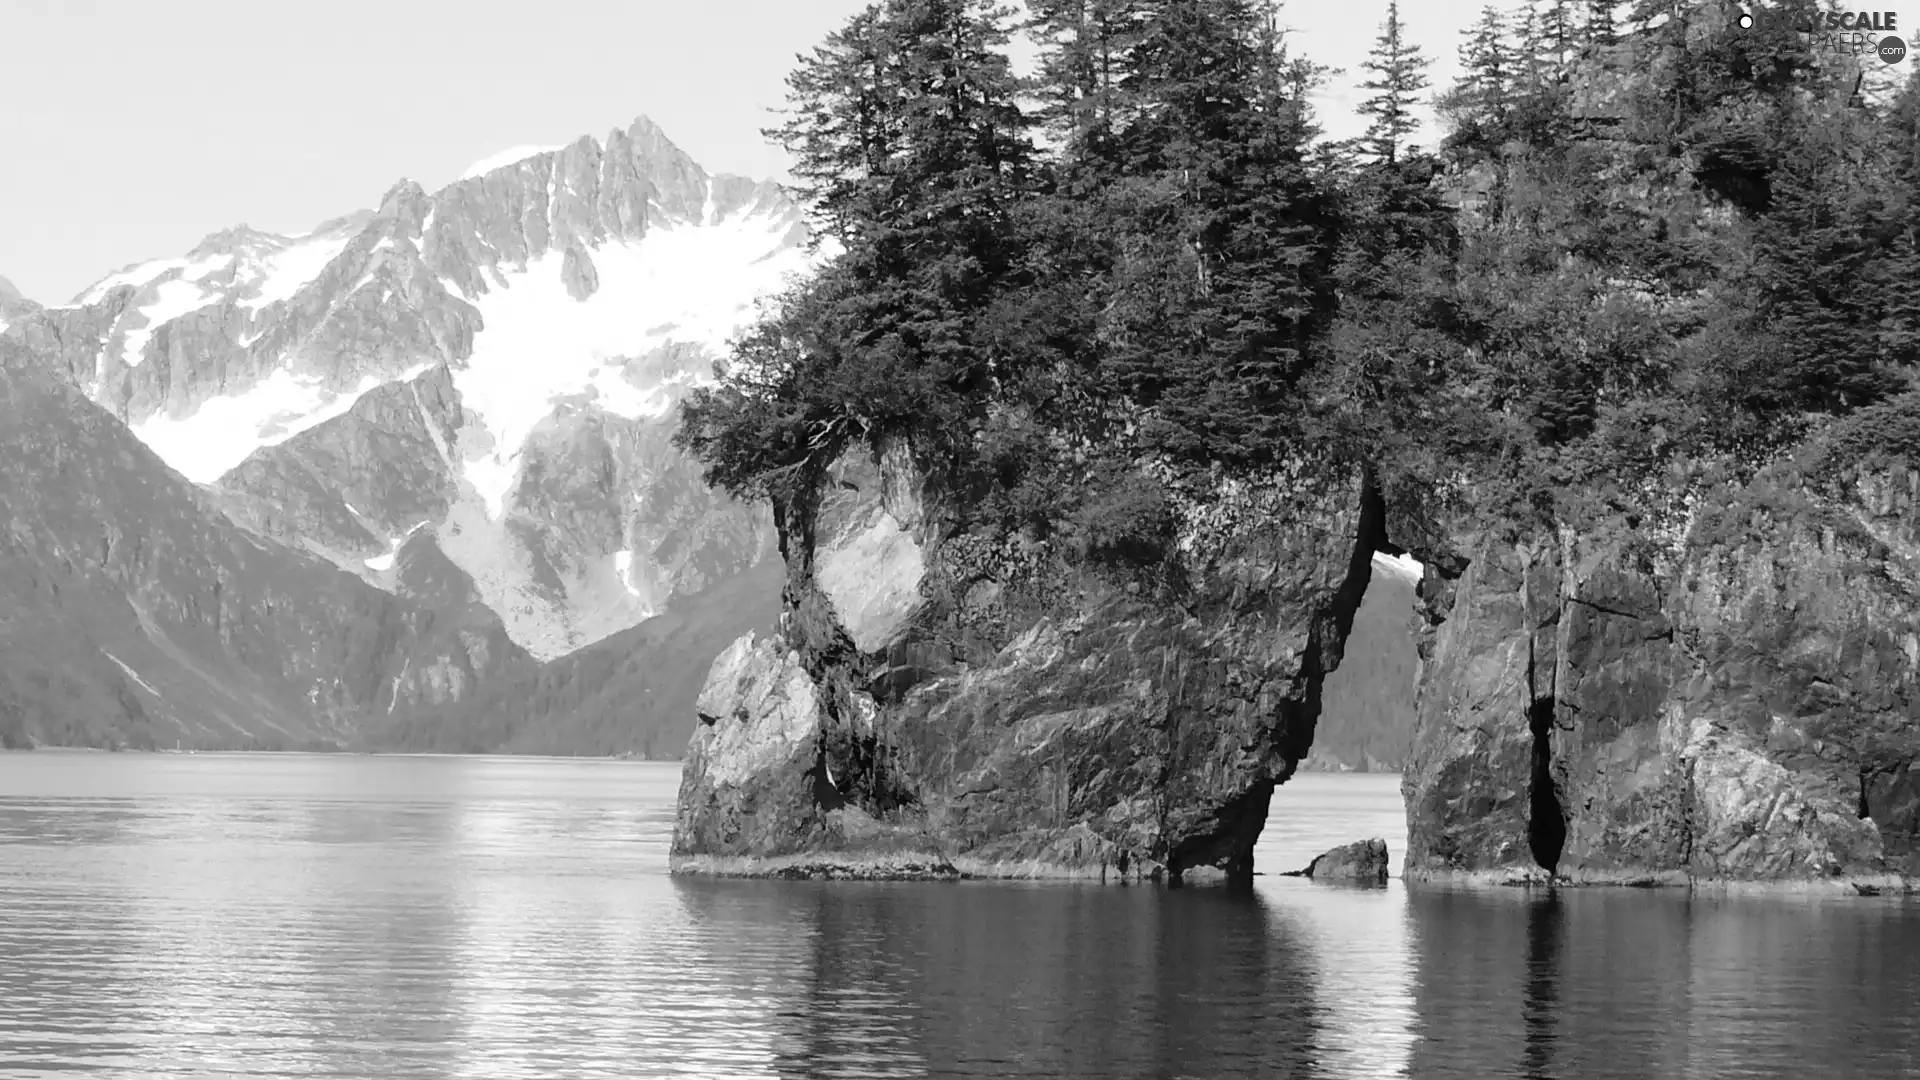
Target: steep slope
x,y
631,693
495,362
133,613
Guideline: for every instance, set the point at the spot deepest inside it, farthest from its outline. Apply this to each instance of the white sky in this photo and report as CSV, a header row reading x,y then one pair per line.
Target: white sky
x,y
130,131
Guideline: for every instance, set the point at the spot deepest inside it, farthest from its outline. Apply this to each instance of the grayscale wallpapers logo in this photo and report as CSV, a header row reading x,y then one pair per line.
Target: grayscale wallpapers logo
x,y
1855,33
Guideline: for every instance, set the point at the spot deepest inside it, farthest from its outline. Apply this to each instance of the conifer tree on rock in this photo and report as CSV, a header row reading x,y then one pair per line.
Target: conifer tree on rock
x,y
1398,76
913,154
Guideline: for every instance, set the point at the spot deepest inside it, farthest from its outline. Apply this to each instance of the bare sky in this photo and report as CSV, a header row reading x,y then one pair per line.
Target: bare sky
x,y
130,131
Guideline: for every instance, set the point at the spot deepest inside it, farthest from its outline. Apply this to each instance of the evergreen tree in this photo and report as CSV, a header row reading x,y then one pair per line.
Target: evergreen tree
x,y
1554,43
1489,64
1227,229
1829,247
1899,300
1398,76
1085,46
914,157
1600,29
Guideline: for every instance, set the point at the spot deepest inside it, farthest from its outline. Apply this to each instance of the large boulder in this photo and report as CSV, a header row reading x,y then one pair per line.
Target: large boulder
x,y
1361,862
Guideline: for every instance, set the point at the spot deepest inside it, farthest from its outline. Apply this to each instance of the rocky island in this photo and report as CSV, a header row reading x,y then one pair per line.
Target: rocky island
x,y
1625,366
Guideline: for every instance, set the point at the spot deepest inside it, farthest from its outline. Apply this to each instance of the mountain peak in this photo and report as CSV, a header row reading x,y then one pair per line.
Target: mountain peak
x,y
8,293
227,241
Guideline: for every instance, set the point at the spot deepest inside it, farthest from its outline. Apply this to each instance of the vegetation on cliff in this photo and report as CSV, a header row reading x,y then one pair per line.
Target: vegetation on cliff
x,y
1651,244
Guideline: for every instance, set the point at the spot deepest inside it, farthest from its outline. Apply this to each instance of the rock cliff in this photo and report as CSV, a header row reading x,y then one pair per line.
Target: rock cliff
x,y
933,705
1736,704
1720,691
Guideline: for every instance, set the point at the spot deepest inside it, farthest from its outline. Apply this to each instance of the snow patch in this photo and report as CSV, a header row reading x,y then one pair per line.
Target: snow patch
x,y
131,674
290,269
539,343
143,274
384,563
225,430
171,300
623,566
503,159
136,275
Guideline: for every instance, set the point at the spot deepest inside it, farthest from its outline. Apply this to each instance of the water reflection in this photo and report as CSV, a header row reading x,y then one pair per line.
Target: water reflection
x,y
502,918
1541,1012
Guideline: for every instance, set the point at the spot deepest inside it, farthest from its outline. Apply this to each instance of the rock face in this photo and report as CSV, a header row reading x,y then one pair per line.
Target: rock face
x,y
1362,862
932,705
496,363
133,613
1719,688
1737,705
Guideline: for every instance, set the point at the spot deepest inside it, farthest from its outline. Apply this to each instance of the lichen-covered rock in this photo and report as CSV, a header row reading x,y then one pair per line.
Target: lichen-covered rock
x,y
1738,707
934,704
1361,862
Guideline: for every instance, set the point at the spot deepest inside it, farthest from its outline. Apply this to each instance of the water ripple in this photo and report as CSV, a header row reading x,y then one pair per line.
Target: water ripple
x,y
295,916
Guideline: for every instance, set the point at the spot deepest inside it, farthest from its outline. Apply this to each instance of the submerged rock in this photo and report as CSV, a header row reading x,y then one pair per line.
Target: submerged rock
x,y
1360,861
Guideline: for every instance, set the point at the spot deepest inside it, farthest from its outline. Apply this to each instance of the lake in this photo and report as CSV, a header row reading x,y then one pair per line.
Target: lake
x,y
344,916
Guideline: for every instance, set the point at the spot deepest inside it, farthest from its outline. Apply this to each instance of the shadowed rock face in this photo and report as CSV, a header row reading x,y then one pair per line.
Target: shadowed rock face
x,y
940,713
1738,706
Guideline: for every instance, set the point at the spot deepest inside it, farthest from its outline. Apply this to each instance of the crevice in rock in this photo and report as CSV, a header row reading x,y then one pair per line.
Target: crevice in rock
x,y
855,766
1229,845
1546,819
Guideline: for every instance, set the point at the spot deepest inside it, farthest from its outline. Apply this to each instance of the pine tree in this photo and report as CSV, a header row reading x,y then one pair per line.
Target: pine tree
x,y
1489,67
914,157
1555,39
1085,45
1600,30
1899,301
1824,245
1224,227
1399,74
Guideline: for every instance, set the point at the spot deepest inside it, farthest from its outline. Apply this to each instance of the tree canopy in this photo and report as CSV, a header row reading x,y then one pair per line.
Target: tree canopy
x,y
1645,240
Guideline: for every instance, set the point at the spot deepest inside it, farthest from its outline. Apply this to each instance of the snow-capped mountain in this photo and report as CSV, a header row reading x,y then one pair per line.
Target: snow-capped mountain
x,y
486,372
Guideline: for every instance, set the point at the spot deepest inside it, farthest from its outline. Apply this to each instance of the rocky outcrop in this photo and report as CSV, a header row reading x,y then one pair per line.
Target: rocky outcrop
x,y
1738,704
1716,688
1361,862
934,705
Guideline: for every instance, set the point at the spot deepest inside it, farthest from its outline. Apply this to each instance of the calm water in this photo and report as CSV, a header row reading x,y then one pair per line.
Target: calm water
x,y
217,915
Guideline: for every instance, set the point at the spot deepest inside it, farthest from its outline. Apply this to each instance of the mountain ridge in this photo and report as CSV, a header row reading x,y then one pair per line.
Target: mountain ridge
x,y
597,280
